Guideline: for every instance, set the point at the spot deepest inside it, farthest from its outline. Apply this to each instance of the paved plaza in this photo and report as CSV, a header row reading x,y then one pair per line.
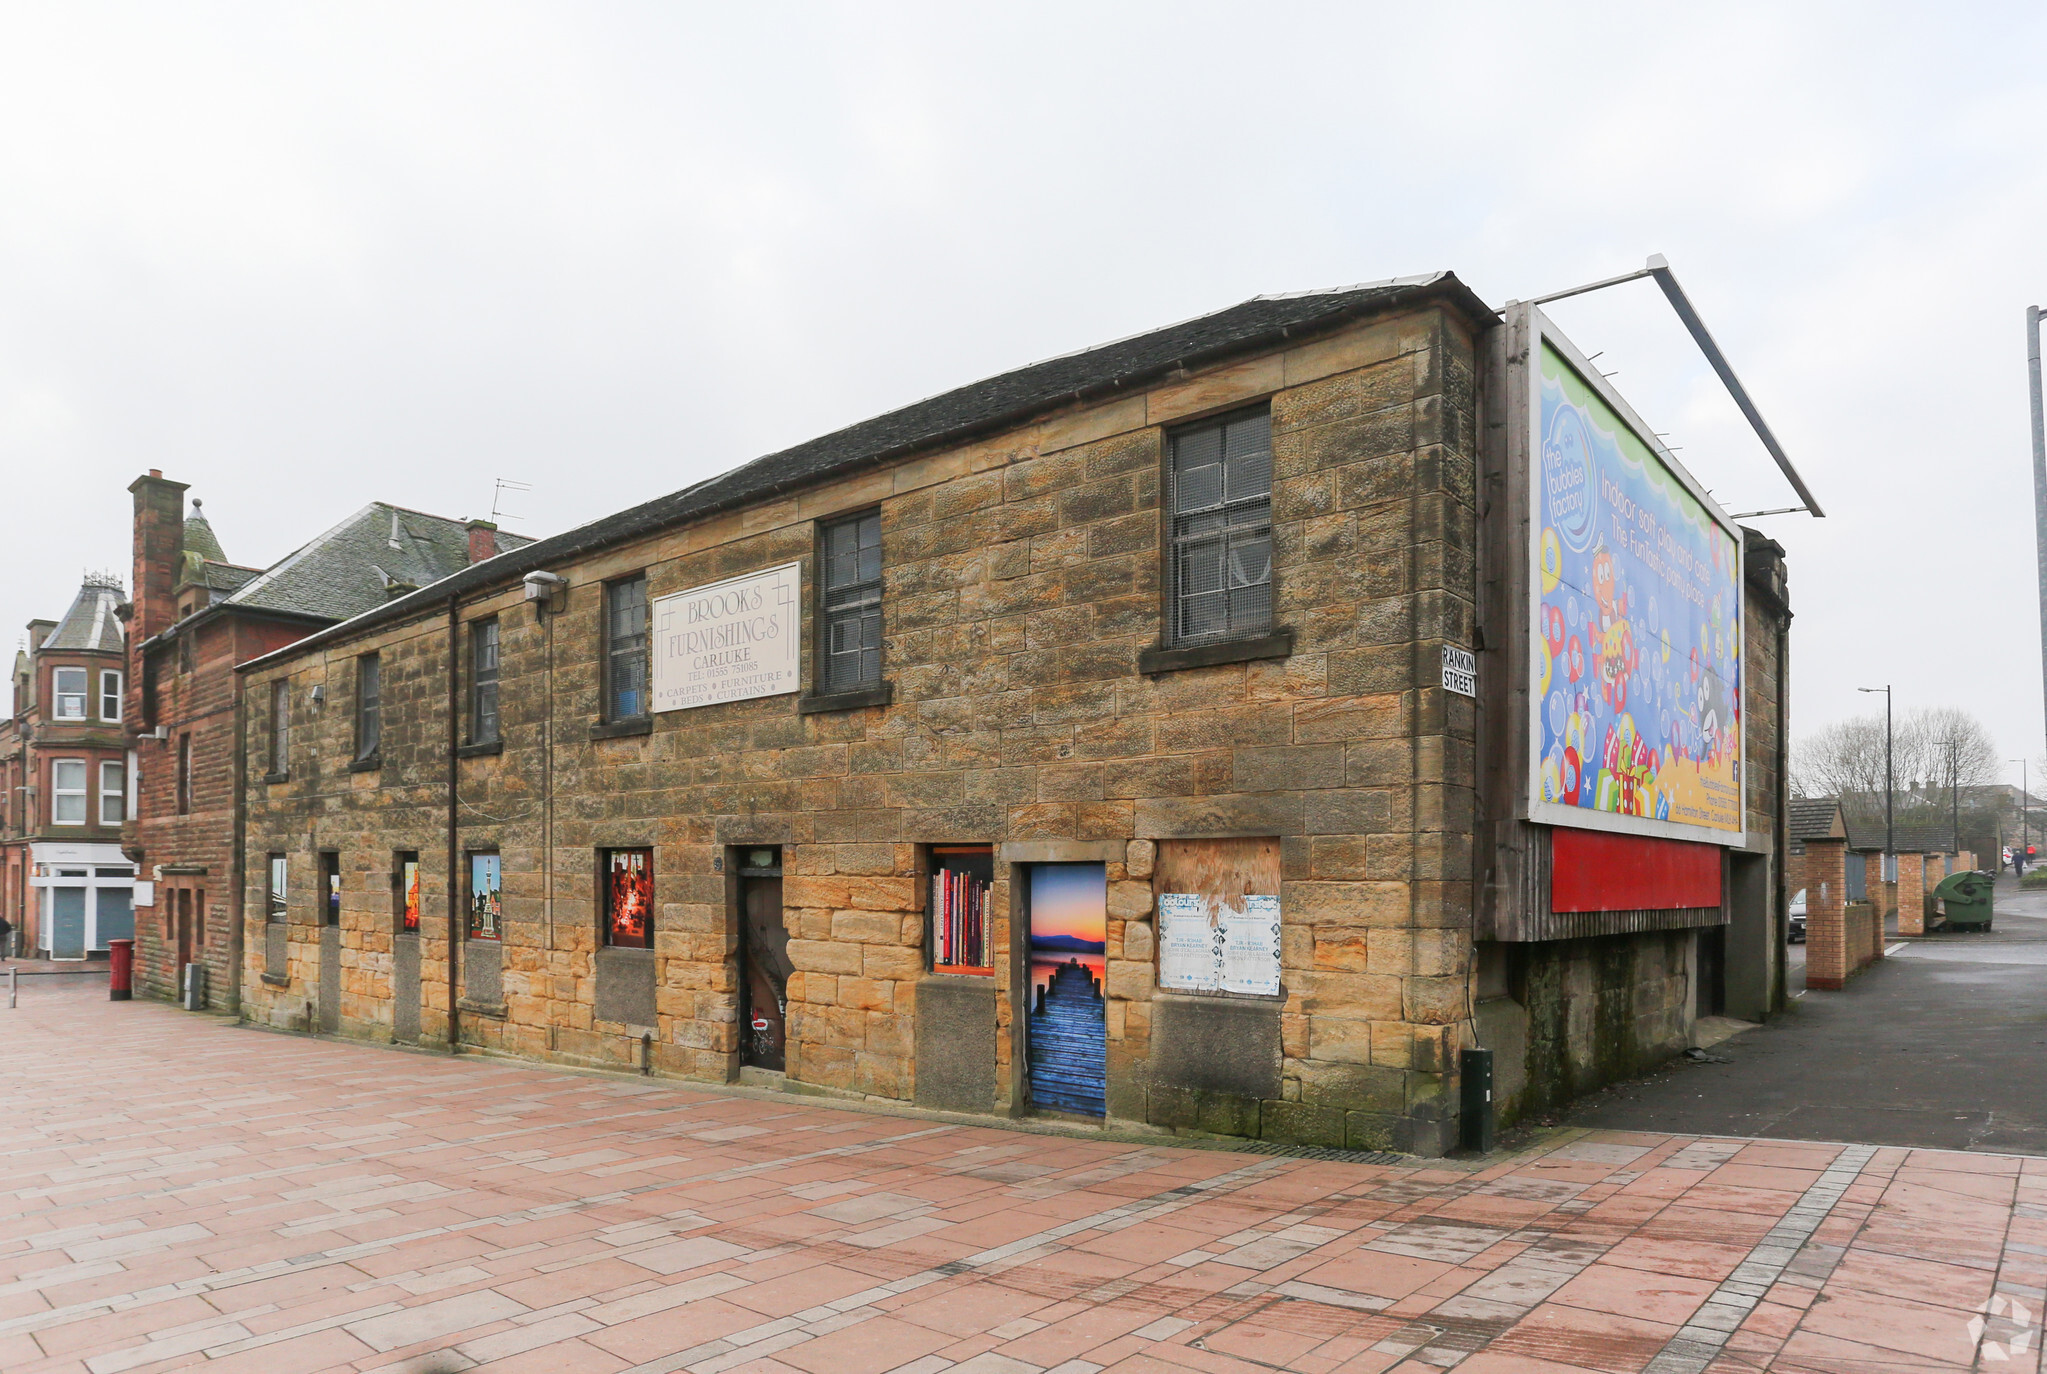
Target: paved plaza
x,y
180,1193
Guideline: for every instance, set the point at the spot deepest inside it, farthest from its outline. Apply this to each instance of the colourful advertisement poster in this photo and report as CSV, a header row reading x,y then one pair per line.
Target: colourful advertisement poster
x,y
1637,653
486,896
629,899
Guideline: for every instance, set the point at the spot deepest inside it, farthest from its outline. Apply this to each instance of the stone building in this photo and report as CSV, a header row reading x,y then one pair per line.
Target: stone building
x,y
1083,740
65,886
194,617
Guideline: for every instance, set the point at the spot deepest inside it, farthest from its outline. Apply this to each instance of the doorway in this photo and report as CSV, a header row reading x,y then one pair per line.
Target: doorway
x,y
763,961
1067,1043
181,898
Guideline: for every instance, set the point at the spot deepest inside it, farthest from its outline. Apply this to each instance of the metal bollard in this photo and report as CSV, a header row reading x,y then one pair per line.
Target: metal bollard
x,y
13,985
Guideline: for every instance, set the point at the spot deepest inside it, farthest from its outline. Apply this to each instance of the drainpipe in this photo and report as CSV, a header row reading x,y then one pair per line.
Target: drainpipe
x,y
454,852
1781,898
238,861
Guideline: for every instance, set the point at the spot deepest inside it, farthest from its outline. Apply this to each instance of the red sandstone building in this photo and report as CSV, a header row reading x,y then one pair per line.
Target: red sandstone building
x,y
66,887
194,617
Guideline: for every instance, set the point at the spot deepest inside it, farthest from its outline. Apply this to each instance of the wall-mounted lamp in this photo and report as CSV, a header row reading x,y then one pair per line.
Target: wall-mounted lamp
x,y
546,591
318,695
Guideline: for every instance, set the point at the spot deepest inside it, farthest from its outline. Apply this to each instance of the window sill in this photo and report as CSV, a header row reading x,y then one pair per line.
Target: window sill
x,y
276,777
368,765
619,729
481,749
1278,644
494,1010
275,981
846,701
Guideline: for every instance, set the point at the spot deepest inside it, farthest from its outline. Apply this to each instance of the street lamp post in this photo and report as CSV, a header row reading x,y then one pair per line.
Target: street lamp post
x,y
1890,836
2033,313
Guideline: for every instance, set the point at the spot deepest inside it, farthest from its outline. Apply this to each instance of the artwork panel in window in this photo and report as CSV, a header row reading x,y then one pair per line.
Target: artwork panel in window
x,y
486,897
409,876
629,898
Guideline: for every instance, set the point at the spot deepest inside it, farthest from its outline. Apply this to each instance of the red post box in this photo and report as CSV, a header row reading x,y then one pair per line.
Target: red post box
x,y
121,961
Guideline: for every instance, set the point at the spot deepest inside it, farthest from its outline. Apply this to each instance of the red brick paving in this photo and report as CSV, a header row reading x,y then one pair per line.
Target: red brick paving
x,y
184,1194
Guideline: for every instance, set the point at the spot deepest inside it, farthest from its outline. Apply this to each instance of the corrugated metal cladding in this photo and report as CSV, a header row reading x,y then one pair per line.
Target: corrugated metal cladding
x,y
1530,917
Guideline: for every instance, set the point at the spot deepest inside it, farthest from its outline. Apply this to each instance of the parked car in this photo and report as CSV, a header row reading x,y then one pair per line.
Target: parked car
x,y
1797,936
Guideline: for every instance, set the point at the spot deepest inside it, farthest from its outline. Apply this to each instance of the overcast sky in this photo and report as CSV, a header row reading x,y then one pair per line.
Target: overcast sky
x,y
304,257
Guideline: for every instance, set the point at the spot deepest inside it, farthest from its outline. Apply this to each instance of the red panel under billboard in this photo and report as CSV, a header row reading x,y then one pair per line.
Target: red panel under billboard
x,y
1591,870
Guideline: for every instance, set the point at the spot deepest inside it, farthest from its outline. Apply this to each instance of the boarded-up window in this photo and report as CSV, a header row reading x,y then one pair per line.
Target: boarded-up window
x,y
1219,916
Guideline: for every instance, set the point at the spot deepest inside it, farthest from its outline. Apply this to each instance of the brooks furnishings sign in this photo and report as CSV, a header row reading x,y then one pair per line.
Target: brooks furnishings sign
x,y
730,640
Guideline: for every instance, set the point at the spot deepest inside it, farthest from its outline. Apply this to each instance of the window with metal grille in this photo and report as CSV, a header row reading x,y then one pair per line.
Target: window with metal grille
x,y
1220,560
369,713
280,727
483,681
625,649
851,590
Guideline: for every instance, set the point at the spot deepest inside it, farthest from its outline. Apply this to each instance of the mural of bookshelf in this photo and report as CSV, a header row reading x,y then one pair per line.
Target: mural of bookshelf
x,y
962,909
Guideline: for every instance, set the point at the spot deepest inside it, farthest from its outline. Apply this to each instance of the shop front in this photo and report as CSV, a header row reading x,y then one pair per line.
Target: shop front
x,y
84,896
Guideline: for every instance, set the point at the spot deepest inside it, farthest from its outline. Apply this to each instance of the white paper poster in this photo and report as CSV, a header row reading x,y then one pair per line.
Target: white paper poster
x,y
1187,943
730,640
1250,947
1206,946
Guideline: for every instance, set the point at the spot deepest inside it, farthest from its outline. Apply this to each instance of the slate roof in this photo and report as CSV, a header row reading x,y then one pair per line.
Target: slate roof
x,y
1866,834
350,568
964,413
91,624
1812,818
199,536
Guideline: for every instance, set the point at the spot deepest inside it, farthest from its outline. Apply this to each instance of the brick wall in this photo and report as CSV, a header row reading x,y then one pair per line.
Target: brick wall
x,y
1911,894
1023,581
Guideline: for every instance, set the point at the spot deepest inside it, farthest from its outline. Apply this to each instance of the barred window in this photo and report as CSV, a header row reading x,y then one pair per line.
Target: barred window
x,y
852,604
369,714
1220,567
625,649
483,681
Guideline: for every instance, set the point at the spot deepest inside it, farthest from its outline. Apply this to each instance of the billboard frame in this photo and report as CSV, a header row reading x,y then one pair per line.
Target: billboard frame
x,y
1542,331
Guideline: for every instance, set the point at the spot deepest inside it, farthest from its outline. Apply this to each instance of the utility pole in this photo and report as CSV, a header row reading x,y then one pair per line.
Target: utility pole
x,y
1890,835
2039,477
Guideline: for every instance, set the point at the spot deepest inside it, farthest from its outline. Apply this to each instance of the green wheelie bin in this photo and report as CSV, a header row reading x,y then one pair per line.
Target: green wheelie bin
x,y
1966,895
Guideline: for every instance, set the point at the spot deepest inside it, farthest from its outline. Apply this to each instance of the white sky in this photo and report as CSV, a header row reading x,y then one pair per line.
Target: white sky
x,y
306,256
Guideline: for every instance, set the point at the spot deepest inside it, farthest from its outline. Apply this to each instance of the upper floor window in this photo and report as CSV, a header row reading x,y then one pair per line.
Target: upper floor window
x,y
110,695
625,648
1219,569
68,686
850,588
188,657
67,792
369,717
280,727
483,681
113,792
184,775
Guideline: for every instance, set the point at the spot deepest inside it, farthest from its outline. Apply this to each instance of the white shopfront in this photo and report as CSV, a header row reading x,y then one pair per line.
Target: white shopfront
x,y
84,895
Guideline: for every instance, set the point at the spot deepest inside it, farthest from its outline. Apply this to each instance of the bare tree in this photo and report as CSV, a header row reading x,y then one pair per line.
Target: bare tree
x,y
1843,759
1940,755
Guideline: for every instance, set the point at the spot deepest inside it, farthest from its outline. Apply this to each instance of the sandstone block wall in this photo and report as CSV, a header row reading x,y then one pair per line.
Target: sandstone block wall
x,y
1022,583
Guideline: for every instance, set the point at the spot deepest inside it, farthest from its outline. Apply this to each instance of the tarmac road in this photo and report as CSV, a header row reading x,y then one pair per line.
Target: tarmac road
x,y
1942,1045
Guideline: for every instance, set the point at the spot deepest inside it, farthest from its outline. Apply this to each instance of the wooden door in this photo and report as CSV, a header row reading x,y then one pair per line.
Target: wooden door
x,y
764,972
183,897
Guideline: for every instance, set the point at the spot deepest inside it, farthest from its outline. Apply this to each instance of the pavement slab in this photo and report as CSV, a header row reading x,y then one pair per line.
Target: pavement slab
x,y
218,1198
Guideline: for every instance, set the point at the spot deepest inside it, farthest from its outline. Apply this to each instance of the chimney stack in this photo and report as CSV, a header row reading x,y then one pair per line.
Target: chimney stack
x,y
483,540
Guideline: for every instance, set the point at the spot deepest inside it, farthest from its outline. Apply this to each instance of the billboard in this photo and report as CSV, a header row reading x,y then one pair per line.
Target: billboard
x,y
1636,592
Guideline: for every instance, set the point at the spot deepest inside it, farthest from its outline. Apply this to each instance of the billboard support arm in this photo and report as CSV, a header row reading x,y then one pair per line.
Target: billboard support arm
x,y
1659,268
